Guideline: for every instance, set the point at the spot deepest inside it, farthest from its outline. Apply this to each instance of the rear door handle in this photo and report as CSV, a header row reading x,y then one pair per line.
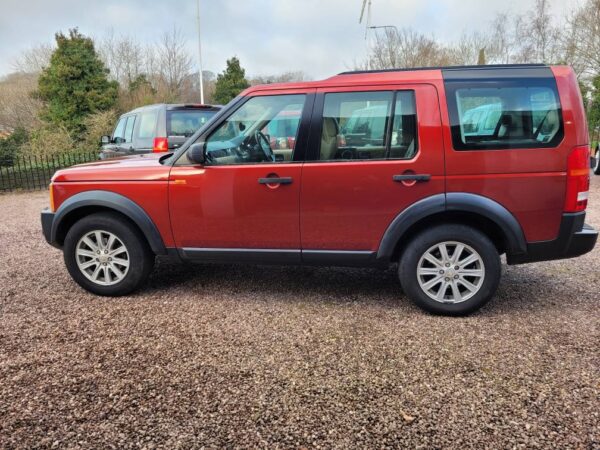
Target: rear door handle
x,y
275,180
412,177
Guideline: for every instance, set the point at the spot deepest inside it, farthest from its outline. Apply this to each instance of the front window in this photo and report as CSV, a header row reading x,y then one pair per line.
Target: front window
x,y
255,133
119,133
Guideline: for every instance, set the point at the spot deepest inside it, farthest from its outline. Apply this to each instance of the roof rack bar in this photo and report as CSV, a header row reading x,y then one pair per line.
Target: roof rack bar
x,y
409,69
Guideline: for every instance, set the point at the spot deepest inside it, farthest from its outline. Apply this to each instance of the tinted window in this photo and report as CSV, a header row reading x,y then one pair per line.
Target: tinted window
x,y
147,128
242,137
186,122
497,114
358,125
128,136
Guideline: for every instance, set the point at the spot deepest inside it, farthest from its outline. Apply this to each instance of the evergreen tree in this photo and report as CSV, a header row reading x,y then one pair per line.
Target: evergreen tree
x,y
231,82
75,83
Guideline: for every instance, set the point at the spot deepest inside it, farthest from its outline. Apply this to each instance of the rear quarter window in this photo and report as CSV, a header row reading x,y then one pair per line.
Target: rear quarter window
x,y
147,127
504,113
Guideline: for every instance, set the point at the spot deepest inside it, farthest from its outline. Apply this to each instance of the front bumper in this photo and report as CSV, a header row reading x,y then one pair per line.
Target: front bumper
x,y
47,221
575,238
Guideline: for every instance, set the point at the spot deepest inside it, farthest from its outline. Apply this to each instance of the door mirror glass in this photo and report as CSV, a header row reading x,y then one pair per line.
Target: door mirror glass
x,y
104,140
196,153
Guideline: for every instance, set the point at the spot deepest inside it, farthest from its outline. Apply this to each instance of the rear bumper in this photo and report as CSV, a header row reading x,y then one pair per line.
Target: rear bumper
x,y
575,238
47,221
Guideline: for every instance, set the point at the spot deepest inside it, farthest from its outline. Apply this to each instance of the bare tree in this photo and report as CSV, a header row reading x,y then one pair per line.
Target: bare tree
x,y
174,63
34,59
18,107
581,42
285,77
123,56
538,38
406,48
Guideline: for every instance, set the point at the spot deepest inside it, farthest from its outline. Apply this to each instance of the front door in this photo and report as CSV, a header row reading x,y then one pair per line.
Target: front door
x,y
243,203
372,154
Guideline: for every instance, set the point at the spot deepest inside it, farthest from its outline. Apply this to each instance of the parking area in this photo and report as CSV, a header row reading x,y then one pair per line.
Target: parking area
x,y
291,357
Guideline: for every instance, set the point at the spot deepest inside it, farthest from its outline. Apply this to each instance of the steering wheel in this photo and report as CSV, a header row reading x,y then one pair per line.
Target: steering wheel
x,y
267,150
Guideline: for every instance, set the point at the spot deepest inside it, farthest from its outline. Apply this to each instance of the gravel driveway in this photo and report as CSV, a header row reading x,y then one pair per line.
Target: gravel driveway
x,y
226,356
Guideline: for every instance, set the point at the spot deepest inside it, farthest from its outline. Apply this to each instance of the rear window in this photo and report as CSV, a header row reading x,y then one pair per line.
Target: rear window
x,y
186,122
504,114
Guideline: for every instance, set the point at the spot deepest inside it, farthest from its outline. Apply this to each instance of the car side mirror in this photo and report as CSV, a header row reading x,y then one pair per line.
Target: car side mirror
x,y
196,153
105,140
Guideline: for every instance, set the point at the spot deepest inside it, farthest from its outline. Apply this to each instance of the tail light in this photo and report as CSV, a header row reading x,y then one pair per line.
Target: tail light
x,y
161,144
578,179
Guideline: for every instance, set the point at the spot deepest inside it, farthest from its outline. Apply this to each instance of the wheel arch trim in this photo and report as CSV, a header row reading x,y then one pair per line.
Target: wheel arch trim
x,y
453,202
113,201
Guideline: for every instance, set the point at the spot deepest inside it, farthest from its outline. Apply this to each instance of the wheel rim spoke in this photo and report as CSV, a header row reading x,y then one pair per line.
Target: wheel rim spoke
x,y
443,275
470,286
469,260
431,283
433,260
90,244
457,252
428,271
456,291
102,257
88,264
117,251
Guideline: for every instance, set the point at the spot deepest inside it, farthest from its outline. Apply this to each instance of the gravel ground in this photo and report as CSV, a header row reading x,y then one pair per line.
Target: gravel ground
x,y
226,356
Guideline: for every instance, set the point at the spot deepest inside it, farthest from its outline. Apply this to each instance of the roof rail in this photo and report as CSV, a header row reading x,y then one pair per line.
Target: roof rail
x,y
409,69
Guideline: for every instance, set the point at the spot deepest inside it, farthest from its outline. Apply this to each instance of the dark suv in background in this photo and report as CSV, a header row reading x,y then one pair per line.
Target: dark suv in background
x,y
155,128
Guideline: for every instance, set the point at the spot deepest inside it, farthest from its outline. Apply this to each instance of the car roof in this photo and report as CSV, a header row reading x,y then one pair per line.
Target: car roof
x,y
413,75
174,106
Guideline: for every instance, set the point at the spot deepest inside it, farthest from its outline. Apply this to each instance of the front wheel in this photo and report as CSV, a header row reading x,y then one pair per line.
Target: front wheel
x,y
450,270
106,255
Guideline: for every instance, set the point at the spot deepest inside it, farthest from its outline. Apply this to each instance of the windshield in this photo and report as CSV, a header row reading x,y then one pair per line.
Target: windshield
x,y
185,122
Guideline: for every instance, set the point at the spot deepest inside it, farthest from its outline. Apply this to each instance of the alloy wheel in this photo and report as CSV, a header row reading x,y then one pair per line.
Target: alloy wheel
x,y
102,257
450,272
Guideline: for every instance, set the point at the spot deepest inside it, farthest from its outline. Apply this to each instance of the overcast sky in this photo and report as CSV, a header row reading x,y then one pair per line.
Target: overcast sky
x,y
318,37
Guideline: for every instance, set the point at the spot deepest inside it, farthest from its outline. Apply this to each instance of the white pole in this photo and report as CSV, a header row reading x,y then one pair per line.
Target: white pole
x,y
200,52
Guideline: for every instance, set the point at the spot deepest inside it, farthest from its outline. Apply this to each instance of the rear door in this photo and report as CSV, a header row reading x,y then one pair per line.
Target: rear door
x,y
372,153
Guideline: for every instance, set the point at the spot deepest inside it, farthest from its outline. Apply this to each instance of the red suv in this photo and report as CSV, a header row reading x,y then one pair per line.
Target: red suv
x,y
438,170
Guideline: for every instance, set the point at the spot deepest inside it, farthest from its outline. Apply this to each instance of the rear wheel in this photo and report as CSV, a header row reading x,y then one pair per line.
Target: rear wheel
x,y
107,255
450,269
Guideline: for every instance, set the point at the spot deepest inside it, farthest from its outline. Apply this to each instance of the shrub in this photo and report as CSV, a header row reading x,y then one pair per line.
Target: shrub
x,y
48,140
9,147
97,125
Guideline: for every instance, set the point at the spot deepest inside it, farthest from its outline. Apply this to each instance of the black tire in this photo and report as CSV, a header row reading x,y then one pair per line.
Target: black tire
x,y
141,259
596,167
409,261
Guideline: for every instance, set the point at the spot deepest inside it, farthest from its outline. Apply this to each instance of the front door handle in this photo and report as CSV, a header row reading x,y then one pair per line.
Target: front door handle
x,y
275,180
412,177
